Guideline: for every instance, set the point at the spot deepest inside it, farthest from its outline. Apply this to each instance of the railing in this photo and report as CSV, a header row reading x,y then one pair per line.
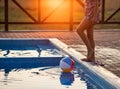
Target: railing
x,y
71,22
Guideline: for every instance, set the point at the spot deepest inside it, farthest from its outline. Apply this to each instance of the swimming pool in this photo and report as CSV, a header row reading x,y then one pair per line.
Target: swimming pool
x,y
34,64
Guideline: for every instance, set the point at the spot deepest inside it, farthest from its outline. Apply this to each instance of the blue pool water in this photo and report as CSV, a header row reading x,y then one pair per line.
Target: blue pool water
x,y
34,64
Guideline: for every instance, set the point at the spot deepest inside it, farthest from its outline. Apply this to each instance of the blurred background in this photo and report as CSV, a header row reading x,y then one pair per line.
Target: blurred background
x,y
53,11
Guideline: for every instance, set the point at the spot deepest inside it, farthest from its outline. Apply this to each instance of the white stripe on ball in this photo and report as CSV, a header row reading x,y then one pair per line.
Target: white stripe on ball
x,y
64,65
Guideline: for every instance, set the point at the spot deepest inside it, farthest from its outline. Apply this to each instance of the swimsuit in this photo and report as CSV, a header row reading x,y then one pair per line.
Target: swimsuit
x,y
89,11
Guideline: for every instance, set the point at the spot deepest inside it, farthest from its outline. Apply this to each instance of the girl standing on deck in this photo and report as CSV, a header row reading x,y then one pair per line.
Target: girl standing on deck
x,y
89,20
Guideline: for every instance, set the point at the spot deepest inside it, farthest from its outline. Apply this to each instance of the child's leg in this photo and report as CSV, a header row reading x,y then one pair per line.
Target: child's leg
x,y
90,36
85,23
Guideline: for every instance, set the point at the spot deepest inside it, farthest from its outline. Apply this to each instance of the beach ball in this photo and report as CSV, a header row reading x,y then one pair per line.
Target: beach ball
x,y
66,64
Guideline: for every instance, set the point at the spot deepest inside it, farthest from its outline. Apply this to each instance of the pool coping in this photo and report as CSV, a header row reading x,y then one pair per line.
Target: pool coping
x,y
100,71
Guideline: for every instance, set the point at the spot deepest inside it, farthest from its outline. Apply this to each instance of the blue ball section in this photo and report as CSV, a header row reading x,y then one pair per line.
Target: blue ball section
x,y
67,60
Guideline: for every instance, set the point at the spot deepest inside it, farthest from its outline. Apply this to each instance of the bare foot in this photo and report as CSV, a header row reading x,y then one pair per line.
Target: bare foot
x,y
91,55
87,60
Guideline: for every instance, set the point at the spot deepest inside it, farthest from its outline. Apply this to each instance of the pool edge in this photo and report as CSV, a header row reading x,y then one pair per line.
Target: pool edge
x,y
100,71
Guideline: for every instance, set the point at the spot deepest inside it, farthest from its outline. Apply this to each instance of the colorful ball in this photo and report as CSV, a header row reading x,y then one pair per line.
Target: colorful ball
x,y
67,64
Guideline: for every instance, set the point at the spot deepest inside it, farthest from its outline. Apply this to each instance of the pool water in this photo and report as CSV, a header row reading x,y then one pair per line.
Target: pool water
x,y
28,48
34,64
50,77
38,78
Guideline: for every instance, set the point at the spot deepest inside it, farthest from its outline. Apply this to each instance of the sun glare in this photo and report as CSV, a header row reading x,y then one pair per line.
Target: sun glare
x,y
55,10
53,3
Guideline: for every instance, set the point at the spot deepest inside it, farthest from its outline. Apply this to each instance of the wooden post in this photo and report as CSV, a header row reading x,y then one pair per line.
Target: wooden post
x,y
103,11
39,10
6,15
71,15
